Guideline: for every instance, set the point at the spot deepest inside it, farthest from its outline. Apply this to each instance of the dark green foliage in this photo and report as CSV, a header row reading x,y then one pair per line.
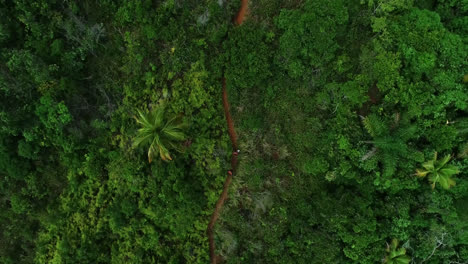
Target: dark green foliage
x,y
343,187
308,42
389,141
336,104
248,60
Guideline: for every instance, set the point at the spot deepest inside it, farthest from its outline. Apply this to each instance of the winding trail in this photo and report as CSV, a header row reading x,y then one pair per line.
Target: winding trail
x,y
227,114
232,135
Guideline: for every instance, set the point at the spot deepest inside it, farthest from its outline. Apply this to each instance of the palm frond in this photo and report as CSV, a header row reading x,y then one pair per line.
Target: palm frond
x,y
158,116
442,162
396,255
143,119
429,165
375,126
151,153
173,134
446,182
390,140
406,133
421,173
390,163
439,172
389,144
141,139
160,133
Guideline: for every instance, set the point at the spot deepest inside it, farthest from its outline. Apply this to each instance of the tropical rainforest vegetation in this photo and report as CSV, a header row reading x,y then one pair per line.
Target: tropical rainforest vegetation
x,y
351,116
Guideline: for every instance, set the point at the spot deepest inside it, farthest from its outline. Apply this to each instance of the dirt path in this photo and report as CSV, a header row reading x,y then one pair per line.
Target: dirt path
x,y
227,114
242,12
232,135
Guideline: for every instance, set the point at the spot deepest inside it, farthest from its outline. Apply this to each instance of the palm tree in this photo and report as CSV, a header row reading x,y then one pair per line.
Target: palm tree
x,y
162,133
439,172
396,255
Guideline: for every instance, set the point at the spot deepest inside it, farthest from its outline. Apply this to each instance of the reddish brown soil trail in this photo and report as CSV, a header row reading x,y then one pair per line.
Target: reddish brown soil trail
x,y
242,12
227,113
232,134
215,216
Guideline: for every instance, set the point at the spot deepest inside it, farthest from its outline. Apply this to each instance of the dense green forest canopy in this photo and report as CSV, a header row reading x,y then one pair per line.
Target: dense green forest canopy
x,y
340,107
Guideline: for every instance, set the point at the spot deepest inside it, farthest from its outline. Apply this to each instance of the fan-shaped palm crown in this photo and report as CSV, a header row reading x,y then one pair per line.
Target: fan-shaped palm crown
x,y
438,171
396,255
160,132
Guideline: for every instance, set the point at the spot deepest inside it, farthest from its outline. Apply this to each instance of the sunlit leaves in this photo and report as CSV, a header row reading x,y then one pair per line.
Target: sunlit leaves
x,y
438,171
160,132
396,255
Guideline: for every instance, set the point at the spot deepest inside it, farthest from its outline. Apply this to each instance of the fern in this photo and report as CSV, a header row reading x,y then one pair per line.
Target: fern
x,y
390,163
374,125
391,144
389,140
406,132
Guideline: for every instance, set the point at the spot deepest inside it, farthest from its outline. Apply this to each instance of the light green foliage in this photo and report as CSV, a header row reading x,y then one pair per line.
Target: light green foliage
x,y
53,115
72,73
438,171
396,255
160,131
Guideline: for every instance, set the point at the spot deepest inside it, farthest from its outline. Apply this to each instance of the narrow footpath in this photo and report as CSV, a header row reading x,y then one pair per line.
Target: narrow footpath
x,y
232,134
